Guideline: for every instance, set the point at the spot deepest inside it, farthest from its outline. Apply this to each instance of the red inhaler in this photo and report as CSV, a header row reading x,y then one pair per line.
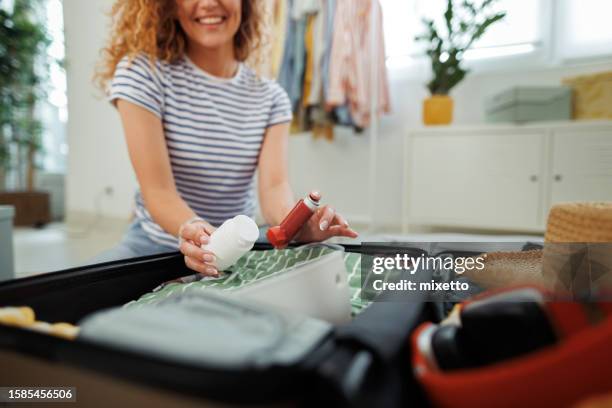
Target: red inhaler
x,y
280,236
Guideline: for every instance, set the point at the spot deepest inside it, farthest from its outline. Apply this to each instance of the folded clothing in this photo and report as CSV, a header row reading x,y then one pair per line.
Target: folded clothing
x,y
207,329
258,265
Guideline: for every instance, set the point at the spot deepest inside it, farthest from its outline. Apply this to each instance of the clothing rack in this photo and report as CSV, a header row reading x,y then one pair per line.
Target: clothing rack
x,y
376,107
374,126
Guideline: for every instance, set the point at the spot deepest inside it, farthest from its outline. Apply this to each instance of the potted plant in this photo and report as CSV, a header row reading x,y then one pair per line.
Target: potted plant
x,y
24,65
464,23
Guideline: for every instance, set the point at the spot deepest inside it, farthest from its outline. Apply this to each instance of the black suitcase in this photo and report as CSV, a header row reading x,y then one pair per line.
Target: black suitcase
x,y
363,363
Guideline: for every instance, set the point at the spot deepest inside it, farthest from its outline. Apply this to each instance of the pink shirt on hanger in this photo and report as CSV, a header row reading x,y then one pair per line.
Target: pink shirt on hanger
x,y
352,59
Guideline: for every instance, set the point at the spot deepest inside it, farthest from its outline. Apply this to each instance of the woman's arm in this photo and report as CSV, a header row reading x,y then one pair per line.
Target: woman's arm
x,y
147,149
275,195
145,141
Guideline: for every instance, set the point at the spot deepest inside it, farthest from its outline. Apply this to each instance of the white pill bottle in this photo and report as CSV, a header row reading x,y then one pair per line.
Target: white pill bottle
x,y
234,238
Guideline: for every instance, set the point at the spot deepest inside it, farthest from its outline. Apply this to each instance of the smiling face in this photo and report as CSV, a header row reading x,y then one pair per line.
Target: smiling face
x,y
210,24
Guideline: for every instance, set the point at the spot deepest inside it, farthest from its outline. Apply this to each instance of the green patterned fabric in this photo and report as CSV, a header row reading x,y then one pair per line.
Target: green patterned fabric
x,y
352,262
257,265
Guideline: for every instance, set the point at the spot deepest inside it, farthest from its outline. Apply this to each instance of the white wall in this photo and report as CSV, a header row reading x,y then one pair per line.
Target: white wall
x,y
98,155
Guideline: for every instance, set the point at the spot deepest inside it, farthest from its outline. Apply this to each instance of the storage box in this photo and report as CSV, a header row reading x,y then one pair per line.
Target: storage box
x,y
6,242
592,96
530,104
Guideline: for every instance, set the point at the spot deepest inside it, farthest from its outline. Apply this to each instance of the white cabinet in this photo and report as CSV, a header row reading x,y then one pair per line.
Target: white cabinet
x,y
504,177
581,166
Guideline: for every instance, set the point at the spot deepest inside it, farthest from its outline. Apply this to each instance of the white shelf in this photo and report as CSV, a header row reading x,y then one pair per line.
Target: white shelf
x,y
509,127
503,177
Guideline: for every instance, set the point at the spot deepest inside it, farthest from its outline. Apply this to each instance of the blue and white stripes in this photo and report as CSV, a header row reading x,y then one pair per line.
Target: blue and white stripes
x,y
213,128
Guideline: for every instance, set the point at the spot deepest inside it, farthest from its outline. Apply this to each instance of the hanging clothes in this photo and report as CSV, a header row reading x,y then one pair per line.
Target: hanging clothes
x,y
280,14
310,60
327,64
287,68
302,8
318,51
322,122
291,73
352,60
318,120
339,115
304,12
299,60
328,36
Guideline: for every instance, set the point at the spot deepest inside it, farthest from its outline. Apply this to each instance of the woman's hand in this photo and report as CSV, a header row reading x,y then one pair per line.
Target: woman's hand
x,y
193,235
325,223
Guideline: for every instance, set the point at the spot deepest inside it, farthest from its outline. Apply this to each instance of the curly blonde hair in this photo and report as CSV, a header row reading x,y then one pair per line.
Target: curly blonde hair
x,y
150,27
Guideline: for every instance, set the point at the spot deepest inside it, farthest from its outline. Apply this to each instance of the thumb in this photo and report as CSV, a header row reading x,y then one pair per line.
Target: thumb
x,y
206,230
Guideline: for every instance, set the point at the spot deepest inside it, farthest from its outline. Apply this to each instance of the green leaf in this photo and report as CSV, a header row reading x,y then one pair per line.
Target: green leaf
x,y
485,4
23,68
448,18
480,29
468,5
464,29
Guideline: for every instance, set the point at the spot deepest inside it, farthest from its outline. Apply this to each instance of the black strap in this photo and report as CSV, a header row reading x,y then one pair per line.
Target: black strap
x,y
385,326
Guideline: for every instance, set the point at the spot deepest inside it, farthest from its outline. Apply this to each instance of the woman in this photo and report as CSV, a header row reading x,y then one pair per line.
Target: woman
x,y
198,123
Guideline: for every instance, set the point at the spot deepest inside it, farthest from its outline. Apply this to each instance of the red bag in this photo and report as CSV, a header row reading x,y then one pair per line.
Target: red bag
x,y
562,375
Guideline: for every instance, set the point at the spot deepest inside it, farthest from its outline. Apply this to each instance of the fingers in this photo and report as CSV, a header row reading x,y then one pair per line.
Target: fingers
x,y
195,232
327,216
193,251
190,232
331,224
199,260
205,236
340,220
201,267
341,231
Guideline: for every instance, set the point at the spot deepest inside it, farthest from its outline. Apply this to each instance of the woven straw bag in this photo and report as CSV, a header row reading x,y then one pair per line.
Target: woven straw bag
x,y
573,230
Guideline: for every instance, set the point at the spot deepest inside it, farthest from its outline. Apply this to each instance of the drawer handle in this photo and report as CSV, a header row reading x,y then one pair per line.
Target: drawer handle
x,y
558,177
533,178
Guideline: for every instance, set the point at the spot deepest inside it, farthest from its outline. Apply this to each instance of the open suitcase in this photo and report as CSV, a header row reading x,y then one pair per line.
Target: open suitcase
x,y
363,363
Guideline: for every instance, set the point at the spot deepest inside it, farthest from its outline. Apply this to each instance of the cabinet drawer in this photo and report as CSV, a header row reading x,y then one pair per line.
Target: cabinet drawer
x,y
582,166
482,181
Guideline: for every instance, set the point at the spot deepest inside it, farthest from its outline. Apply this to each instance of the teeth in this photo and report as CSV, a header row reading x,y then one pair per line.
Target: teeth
x,y
210,20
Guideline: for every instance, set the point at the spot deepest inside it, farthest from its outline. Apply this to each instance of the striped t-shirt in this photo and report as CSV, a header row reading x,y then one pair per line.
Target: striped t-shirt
x,y
214,129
